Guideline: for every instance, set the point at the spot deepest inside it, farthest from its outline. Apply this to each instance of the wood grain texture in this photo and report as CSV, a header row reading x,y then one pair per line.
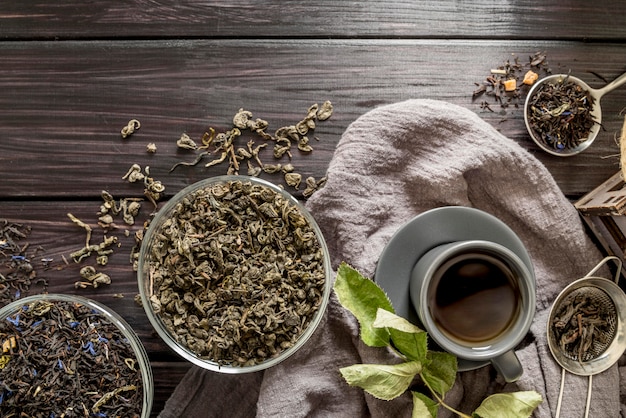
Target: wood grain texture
x,y
166,375
65,103
481,19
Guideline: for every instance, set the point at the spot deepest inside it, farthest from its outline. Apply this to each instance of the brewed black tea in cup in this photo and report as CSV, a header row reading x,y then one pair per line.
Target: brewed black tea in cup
x,y
476,299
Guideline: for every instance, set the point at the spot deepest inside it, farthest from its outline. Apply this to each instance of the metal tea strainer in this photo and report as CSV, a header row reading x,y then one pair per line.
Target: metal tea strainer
x,y
586,327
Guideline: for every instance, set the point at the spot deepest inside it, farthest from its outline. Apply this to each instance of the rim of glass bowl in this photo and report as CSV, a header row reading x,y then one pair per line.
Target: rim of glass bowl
x,y
156,322
147,382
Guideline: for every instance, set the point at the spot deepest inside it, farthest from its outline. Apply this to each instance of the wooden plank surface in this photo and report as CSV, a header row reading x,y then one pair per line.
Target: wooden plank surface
x,y
65,103
480,19
72,74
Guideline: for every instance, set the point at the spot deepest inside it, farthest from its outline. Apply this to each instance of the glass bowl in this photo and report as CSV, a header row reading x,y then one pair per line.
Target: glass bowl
x,y
234,274
42,301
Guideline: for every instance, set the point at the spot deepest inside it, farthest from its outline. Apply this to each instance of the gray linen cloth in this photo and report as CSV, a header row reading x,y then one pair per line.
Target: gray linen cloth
x,y
390,165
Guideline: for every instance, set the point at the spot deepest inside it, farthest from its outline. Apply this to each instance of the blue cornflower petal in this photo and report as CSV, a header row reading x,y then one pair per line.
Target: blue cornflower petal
x,y
89,347
15,321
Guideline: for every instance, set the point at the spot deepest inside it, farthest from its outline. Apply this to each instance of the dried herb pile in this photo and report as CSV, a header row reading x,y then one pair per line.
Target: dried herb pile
x,y
560,114
237,273
18,275
584,326
64,359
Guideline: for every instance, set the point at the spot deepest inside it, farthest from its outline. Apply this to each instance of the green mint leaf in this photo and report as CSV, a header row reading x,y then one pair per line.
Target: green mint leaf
x,y
409,339
363,297
423,406
381,380
440,372
509,405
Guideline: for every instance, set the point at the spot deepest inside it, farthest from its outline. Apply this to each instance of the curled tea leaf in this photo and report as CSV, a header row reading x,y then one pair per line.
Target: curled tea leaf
x,y
185,142
303,144
242,118
325,111
134,174
130,128
293,179
272,168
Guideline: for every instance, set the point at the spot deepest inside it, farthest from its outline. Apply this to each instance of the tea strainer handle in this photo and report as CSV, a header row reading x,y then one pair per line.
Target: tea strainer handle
x,y
617,260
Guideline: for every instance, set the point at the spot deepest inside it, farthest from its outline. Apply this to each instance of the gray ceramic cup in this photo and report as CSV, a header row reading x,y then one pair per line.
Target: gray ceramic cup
x,y
476,300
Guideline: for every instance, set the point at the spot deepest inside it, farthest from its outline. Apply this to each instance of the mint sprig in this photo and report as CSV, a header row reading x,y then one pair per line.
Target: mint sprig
x,y
381,327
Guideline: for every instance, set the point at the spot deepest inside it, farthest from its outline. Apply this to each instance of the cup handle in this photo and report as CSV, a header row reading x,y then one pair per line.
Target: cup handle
x,y
508,366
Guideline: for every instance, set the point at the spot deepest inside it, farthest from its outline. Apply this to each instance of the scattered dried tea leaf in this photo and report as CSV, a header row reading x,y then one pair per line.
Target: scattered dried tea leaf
x,y
130,128
19,275
130,209
185,142
272,168
252,170
313,185
508,84
83,225
241,119
325,111
102,250
303,144
134,174
192,163
293,180
154,189
226,150
91,278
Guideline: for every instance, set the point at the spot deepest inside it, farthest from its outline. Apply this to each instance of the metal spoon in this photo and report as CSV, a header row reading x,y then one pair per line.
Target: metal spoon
x,y
596,111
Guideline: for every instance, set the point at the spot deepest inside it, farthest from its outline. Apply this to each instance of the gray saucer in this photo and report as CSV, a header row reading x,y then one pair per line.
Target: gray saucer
x,y
431,229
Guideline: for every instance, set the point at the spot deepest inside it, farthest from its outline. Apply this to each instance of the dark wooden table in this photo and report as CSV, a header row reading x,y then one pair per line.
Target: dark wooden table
x,y
72,74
